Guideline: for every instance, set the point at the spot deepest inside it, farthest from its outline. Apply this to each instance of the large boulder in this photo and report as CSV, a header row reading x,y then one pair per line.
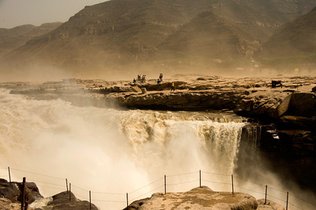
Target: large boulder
x,y
9,190
198,198
298,104
61,201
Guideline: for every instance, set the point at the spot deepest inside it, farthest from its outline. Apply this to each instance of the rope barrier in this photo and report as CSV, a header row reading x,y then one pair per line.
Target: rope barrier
x,y
107,193
248,190
273,192
183,174
79,187
144,186
205,180
186,182
107,201
276,189
217,174
147,193
30,172
276,198
46,183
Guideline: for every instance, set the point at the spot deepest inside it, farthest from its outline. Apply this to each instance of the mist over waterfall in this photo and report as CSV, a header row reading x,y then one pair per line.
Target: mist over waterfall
x,y
113,151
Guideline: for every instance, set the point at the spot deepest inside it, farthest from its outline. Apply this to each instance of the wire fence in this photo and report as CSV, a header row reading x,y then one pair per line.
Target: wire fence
x,y
163,184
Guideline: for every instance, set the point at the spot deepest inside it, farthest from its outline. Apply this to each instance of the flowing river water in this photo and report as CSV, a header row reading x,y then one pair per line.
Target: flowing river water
x,y
113,152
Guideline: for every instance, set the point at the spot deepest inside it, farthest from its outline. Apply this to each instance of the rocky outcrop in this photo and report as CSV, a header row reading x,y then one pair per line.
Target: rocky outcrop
x,y
61,201
10,198
202,198
9,191
12,191
215,100
298,110
248,97
258,107
298,104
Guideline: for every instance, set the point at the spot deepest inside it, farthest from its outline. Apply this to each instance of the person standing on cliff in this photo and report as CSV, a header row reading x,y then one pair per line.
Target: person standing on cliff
x,y
159,80
160,77
173,87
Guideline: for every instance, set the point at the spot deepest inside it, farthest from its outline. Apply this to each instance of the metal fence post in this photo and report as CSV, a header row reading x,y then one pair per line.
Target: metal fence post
x,y
67,185
9,172
23,194
69,192
265,195
90,206
232,184
287,201
165,183
200,178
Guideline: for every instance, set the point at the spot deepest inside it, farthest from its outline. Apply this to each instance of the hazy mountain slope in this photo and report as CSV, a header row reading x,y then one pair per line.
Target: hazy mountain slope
x,y
111,34
207,40
12,38
294,45
133,34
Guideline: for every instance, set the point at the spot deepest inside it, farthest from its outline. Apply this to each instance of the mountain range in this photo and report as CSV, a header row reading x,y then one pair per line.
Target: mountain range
x,y
293,46
16,37
133,36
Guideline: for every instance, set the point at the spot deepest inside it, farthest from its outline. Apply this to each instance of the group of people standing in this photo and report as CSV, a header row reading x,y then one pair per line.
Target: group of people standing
x,y
142,79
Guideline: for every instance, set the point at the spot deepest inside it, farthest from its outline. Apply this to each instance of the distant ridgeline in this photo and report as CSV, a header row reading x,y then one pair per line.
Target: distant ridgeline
x,y
171,35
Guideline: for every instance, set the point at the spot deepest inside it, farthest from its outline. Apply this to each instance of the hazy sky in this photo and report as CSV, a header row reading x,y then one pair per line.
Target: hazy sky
x,y
36,12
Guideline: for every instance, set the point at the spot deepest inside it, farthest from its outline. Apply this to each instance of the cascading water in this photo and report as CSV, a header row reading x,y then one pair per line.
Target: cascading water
x,y
113,151
183,141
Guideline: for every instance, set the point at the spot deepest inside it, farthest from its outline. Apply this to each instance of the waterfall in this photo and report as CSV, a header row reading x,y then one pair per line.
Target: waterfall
x,y
111,150
186,140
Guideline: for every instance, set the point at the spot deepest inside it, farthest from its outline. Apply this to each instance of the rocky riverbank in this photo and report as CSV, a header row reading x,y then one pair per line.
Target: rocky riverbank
x,y
11,195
